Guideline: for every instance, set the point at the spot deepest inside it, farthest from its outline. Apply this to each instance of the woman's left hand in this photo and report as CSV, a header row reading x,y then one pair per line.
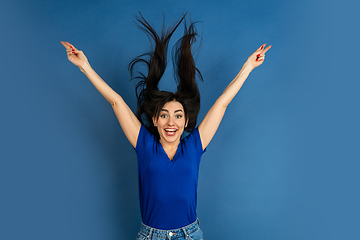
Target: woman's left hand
x,y
258,57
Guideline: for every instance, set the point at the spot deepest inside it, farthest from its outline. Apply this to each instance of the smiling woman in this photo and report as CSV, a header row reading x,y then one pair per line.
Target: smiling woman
x,y
170,125
168,165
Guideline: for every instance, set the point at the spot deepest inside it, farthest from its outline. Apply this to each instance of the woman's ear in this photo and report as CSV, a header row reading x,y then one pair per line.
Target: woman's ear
x,y
187,121
154,121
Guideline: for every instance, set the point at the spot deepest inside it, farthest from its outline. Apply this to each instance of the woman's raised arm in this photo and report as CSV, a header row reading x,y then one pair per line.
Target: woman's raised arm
x,y
128,121
211,122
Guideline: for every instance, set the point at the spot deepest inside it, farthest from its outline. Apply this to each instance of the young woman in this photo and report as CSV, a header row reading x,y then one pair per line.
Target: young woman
x,y
168,164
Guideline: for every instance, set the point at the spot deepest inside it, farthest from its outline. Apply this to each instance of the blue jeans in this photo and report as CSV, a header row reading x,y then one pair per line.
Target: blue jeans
x,y
189,232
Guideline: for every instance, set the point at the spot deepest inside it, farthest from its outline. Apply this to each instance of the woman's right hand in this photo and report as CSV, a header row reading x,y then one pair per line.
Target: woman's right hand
x,y
75,56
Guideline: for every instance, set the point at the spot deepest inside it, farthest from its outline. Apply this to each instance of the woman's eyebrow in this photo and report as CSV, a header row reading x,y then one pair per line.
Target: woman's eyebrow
x,y
165,110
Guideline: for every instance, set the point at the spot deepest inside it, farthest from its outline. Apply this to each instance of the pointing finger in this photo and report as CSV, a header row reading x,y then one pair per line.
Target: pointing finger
x,y
261,48
67,45
267,49
64,44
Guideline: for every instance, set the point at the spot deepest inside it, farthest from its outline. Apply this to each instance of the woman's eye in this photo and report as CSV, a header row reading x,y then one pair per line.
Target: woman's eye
x,y
163,116
178,116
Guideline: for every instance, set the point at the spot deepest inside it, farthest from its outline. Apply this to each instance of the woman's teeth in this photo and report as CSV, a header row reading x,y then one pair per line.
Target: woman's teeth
x,y
170,130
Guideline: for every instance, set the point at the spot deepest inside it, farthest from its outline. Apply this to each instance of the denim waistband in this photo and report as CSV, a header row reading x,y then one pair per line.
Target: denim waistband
x,y
169,234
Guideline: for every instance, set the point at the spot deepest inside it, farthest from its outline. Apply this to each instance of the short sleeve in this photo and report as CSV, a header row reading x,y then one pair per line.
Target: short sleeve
x,y
194,137
143,137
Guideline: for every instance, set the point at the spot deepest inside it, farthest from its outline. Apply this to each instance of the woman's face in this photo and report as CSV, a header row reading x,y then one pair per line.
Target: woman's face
x,y
171,122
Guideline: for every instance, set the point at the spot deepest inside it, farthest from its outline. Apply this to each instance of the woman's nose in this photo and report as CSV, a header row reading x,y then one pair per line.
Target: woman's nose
x,y
171,121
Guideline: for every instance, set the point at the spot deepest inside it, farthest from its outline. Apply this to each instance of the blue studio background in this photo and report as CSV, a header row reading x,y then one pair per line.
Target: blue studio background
x,y
281,166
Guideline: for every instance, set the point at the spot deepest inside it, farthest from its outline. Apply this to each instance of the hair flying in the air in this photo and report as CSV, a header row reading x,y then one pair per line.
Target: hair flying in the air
x,y
150,99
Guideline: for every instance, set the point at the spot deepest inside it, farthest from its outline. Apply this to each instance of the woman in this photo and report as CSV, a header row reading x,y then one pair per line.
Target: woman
x,y
168,165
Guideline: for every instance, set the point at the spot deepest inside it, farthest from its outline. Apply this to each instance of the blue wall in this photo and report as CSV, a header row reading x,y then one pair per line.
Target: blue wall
x,y
281,165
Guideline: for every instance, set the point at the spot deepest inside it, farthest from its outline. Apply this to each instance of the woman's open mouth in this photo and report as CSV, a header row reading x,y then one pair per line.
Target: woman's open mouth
x,y
170,131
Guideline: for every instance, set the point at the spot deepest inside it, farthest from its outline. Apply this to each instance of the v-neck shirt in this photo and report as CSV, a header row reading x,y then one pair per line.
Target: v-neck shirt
x,y
168,188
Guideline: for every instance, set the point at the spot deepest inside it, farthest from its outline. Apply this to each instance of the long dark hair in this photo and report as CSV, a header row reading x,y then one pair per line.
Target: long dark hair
x,y
150,99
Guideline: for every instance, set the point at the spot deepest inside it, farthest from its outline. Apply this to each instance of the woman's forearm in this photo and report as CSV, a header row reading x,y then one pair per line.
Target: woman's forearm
x,y
255,60
233,88
128,121
211,121
108,93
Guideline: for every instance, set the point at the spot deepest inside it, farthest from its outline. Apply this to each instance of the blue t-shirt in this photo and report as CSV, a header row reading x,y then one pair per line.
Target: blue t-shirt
x,y
168,189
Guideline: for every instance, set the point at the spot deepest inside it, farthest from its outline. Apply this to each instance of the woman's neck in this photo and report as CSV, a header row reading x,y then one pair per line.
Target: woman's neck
x,y
169,146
